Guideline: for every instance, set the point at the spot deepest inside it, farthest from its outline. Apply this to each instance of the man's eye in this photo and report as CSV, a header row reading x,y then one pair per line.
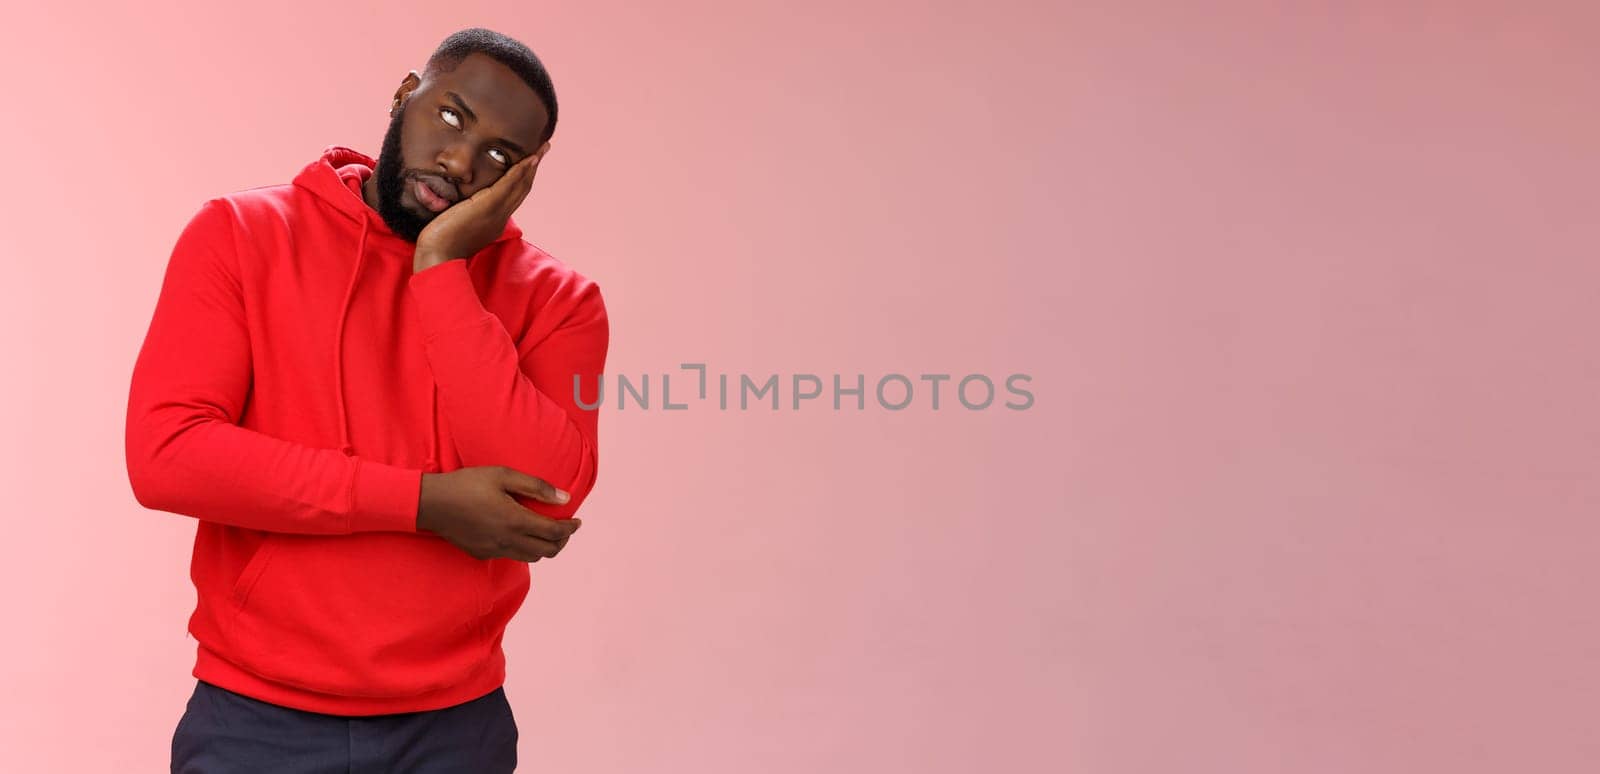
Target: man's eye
x,y
503,159
450,112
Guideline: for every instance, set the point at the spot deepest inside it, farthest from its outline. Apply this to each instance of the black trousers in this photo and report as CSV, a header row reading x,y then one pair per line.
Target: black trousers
x,y
222,732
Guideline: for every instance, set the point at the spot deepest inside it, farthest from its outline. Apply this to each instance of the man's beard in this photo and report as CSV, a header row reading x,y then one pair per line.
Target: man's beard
x,y
390,174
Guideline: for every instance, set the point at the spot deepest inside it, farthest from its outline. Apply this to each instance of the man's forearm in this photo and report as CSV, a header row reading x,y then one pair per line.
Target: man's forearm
x,y
183,462
510,409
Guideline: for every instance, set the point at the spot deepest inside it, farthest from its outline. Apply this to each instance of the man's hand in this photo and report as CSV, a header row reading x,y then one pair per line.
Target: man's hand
x,y
474,509
472,223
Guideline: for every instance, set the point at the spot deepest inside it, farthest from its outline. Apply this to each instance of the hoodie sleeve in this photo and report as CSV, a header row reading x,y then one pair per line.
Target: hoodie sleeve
x,y
186,453
511,409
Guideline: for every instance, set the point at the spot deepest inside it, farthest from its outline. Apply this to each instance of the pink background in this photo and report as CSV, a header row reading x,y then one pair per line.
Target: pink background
x,y
1308,299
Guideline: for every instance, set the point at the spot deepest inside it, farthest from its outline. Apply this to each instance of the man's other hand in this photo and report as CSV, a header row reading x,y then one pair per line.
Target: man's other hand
x,y
474,509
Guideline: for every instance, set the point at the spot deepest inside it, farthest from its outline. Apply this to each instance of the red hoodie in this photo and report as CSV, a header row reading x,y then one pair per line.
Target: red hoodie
x,y
296,381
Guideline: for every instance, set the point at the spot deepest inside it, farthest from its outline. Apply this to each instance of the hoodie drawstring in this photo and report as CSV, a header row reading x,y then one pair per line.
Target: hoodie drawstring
x,y
338,345
338,369
433,436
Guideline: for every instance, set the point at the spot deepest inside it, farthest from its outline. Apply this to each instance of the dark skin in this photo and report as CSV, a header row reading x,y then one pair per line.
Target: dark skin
x,y
473,133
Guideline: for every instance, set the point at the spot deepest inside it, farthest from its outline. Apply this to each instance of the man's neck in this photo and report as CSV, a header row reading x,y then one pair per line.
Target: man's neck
x,y
369,191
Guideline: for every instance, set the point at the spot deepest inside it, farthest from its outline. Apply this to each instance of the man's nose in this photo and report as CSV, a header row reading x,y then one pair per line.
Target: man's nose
x,y
455,161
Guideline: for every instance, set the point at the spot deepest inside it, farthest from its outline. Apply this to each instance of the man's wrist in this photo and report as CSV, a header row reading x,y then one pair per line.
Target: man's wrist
x,y
424,259
424,511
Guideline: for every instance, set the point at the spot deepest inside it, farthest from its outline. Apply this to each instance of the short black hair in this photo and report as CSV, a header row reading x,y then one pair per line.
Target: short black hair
x,y
507,51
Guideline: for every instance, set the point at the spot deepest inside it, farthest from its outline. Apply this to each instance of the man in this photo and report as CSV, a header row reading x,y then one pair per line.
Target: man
x,y
363,385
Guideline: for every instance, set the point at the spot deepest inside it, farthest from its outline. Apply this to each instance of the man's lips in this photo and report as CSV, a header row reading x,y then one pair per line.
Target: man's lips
x,y
433,193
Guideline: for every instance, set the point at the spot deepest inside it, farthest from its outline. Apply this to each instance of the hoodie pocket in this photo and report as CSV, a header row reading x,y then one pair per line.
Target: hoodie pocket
x,y
252,570
376,614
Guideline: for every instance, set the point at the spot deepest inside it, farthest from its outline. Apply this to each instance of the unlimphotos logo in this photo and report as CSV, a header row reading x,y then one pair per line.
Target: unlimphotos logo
x,y
892,391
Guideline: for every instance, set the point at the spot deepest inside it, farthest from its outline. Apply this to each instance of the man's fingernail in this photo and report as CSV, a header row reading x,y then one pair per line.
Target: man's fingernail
x,y
562,496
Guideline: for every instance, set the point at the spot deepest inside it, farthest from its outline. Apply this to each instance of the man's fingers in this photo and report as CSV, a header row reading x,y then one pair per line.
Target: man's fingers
x,y
510,187
527,548
537,157
519,173
544,527
503,189
562,543
530,486
518,197
527,168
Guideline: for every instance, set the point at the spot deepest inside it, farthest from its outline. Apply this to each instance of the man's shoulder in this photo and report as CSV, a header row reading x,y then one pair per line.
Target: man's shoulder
x,y
249,204
241,210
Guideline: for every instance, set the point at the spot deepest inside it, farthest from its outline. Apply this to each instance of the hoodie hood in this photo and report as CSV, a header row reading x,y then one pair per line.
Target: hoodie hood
x,y
335,178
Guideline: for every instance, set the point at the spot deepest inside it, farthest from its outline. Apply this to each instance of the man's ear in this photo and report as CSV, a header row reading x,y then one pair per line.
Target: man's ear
x,y
408,84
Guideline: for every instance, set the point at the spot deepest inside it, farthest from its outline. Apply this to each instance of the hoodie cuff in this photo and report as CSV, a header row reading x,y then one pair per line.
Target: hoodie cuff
x,y
385,498
446,299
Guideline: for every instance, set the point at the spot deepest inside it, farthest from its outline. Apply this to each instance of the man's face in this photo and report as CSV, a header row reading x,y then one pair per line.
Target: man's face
x,y
455,133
